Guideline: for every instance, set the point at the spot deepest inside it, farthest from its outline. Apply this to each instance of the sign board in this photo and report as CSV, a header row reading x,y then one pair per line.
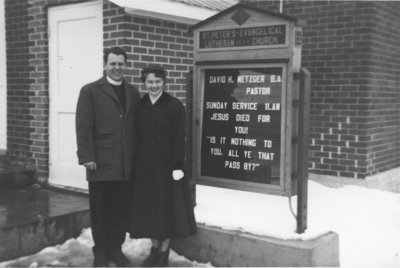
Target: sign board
x,y
243,76
238,37
241,124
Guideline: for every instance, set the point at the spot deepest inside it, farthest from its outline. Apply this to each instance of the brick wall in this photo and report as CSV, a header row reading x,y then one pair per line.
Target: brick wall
x,y
149,40
146,41
27,82
21,112
384,109
352,50
350,47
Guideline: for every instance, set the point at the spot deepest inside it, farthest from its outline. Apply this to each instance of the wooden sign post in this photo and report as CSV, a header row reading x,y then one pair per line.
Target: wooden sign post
x,y
244,121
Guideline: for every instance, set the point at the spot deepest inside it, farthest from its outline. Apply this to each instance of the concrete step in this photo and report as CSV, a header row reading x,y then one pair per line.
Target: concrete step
x,y
33,218
225,248
3,156
15,177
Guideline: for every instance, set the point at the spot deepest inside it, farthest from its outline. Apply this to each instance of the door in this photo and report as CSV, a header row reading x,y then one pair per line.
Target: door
x,y
75,58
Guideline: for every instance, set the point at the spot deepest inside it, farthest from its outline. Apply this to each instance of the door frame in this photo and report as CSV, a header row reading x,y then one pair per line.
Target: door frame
x,y
53,80
3,82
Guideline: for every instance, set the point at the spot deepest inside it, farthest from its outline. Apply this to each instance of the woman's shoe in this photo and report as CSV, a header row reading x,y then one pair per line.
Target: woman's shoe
x,y
100,261
151,259
119,259
162,259
100,258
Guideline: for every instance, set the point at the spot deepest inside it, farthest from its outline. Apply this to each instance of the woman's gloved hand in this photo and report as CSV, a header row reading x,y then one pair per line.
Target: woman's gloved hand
x,y
177,174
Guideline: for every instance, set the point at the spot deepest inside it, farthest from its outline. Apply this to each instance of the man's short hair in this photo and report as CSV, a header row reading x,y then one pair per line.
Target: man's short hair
x,y
114,50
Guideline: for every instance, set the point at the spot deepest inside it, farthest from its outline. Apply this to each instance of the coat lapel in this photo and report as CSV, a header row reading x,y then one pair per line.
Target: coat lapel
x,y
108,89
164,98
128,97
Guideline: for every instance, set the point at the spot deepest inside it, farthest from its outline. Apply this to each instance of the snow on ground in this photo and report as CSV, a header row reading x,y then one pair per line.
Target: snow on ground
x,y
78,253
367,221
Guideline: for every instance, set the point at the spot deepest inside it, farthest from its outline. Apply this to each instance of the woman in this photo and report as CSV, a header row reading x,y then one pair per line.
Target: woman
x,y
161,207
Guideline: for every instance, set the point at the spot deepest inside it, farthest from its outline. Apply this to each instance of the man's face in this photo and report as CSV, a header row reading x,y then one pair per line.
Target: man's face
x,y
115,66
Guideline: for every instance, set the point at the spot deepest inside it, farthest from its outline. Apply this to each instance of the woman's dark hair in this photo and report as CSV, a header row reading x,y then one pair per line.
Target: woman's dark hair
x,y
157,70
114,50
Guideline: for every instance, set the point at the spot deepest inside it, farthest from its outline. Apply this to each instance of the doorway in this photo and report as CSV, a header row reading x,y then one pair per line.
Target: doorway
x,y
75,59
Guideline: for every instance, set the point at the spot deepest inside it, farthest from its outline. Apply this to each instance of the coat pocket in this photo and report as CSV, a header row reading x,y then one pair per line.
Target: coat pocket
x,y
104,144
103,131
104,150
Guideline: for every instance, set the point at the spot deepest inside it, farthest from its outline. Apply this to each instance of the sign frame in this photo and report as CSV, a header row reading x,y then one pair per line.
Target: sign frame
x,y
236,48
284,187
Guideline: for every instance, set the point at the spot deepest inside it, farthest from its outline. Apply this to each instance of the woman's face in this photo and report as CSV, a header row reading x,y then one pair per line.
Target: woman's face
x,y
154,84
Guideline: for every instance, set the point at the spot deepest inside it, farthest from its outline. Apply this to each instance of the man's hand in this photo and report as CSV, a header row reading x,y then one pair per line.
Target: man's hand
x,y
177,174
90,165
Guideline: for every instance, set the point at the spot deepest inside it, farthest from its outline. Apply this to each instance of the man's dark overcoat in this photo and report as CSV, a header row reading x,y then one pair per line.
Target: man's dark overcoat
x,y
105,133
162,207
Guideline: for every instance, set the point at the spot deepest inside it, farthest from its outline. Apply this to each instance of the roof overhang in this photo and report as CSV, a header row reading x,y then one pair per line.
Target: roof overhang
x,y
246,6
166,10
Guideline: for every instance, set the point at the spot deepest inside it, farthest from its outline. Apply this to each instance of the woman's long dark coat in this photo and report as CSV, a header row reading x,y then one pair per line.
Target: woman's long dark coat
x,y
161,206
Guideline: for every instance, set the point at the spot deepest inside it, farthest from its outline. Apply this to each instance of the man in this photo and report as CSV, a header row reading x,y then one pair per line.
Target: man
x,y
105,138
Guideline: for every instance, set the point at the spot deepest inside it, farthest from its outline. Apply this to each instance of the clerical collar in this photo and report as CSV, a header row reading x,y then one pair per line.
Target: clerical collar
x,y
113,82
155,99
